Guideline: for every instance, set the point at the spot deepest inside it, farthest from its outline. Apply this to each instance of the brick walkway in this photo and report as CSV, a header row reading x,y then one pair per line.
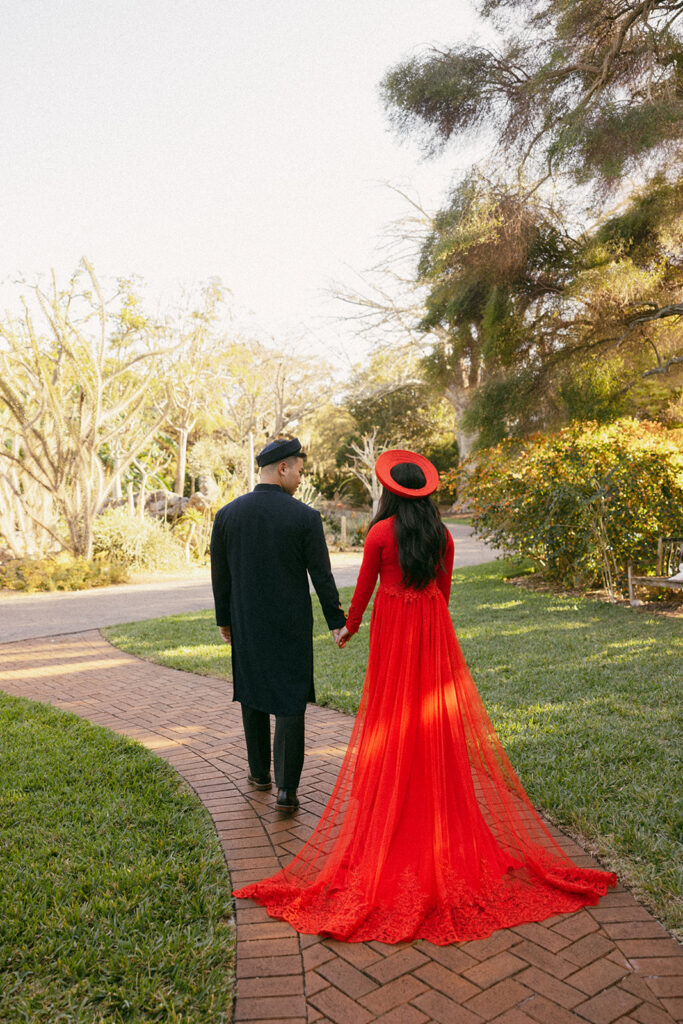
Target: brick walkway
x,y
613,964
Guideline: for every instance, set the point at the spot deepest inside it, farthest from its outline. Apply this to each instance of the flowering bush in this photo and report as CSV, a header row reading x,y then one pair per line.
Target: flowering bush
x,y
582,502
449,486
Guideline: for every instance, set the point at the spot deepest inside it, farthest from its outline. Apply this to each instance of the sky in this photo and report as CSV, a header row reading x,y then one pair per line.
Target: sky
x,y
180,140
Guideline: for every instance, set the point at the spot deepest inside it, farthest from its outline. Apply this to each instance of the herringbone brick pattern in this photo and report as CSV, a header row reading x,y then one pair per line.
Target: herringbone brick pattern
x,y
612,964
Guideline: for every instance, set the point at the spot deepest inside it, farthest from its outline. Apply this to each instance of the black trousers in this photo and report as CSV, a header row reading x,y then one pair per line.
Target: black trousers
x,y
288,746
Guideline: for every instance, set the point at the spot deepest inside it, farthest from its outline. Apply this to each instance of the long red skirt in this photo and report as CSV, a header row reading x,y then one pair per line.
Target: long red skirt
x,y
428,833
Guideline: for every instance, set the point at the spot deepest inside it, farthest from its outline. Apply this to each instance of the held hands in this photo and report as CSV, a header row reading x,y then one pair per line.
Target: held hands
x,y
340,636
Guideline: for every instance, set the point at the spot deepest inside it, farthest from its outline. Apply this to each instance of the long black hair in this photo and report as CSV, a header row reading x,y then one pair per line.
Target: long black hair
x,y
420,534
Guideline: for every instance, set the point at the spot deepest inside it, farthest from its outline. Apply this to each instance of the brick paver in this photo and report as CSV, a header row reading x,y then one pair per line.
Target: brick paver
x,y
611,964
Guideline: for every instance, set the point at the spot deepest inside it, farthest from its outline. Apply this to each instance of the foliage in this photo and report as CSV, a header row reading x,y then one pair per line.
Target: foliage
x,y
541,306
61,572
193,530
449,485
538,328
114,898
581,503
308,493
210,455
495,262
357,524
188,370
265,393
75,374
134,542
394,400
591,88
387,403
571,685
320,434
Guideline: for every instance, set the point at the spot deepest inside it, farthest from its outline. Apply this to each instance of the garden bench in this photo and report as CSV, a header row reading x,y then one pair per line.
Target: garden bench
x,y
669,559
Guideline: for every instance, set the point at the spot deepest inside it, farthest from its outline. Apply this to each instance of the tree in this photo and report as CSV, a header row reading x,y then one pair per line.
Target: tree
x,y
542,327
189,370
389,308
386,404
363,456
75,374
391,398
320,434
590,88
543,318
264,392
495,264
24,505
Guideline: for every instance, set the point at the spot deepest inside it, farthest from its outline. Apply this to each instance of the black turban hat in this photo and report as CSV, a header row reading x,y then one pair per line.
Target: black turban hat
x,y
278,450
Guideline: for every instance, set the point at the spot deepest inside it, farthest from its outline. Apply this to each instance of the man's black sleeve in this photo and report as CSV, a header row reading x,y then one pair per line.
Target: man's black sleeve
x,y
220,573
320,571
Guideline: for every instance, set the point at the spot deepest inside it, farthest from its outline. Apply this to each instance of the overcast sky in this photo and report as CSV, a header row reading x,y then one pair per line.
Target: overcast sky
x,y
183,139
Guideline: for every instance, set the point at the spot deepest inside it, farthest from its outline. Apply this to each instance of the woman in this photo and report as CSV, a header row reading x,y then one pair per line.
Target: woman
x,y
428,833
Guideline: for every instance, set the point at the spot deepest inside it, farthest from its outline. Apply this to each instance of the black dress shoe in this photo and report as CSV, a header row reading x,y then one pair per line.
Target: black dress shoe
x,y
265,783
286,800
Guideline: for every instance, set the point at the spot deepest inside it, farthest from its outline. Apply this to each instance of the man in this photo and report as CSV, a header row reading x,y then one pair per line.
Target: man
x,y
262,546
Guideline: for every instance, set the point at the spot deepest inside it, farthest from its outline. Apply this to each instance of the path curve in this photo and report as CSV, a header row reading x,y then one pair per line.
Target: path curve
x,y
27,616
611,964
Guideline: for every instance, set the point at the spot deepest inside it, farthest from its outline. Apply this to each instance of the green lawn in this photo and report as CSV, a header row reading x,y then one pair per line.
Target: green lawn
x,y
454,520
115,900
585,696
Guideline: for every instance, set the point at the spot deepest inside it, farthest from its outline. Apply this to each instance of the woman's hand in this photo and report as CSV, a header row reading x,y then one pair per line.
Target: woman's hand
x,y
342,636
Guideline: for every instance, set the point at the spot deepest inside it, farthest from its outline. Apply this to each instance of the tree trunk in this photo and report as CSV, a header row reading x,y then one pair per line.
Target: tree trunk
x,y
466,380
375,493
142,494
116,492
459,399
179,486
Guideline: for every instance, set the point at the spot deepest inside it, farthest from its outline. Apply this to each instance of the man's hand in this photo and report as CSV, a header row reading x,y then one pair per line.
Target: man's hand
x,y
340,636
225,633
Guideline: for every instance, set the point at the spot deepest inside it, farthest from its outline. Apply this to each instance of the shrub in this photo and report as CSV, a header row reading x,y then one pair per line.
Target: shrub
x,y
309,493
62,572
193,531
126,540
449,486
581,503
357,524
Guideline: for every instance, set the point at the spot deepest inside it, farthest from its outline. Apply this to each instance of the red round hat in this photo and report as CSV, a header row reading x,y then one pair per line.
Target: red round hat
x,y
393,457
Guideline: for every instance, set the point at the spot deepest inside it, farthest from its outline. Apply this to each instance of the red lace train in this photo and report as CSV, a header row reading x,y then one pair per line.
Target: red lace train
x,y
428,833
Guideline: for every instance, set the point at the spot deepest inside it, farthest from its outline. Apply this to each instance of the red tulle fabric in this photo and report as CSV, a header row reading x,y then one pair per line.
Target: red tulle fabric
x,y
428,833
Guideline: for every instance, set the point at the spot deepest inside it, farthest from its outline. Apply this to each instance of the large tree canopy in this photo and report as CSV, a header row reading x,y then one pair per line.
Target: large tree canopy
x,y
541,306
539,327
76,371
592,87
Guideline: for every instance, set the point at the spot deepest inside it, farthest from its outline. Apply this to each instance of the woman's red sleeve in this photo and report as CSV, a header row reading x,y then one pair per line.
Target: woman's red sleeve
x,y
443,576
367,577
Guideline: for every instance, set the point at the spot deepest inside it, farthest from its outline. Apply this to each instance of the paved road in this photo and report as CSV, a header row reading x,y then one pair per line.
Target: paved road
x,y
27,616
